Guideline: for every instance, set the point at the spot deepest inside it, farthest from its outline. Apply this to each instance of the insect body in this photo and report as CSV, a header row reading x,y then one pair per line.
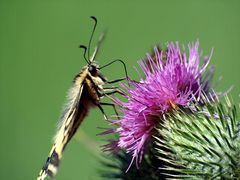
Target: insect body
x,y
85,93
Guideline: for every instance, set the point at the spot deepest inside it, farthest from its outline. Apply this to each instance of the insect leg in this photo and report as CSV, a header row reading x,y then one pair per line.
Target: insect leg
x,y
116,80
101,109
110,88
114,92
118,60
111,104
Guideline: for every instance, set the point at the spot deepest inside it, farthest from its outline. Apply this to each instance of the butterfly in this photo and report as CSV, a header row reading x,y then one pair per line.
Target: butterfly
x,y
86,92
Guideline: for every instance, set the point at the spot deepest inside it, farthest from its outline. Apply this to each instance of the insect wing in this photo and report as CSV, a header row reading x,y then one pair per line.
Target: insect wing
x,y
71,120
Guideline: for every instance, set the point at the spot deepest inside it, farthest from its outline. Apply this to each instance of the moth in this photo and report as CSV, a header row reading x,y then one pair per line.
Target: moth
x,y
85,93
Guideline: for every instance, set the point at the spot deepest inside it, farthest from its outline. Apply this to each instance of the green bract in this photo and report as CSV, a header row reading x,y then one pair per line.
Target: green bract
x,y
204,144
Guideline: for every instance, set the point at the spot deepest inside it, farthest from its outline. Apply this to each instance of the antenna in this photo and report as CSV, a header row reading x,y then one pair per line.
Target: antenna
x,y
85,50
94,27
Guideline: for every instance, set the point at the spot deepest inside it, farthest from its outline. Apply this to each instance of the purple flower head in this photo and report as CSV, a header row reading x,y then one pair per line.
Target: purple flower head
x,y
172,79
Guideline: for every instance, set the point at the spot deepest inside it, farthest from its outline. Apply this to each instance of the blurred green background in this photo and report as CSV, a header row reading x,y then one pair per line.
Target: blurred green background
x,y
39,57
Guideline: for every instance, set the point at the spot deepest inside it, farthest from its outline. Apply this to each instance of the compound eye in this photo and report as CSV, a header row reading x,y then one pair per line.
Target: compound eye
x,y
92,70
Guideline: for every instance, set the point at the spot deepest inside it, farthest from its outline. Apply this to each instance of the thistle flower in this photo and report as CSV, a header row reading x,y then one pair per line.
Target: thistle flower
x,y
172,79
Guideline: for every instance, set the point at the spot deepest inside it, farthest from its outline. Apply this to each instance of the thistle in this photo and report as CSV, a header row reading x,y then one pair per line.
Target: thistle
x,y
201,145
173,125
202,142
172,79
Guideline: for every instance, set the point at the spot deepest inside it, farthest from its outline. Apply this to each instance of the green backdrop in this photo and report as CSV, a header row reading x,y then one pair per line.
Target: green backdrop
x,y
39,57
